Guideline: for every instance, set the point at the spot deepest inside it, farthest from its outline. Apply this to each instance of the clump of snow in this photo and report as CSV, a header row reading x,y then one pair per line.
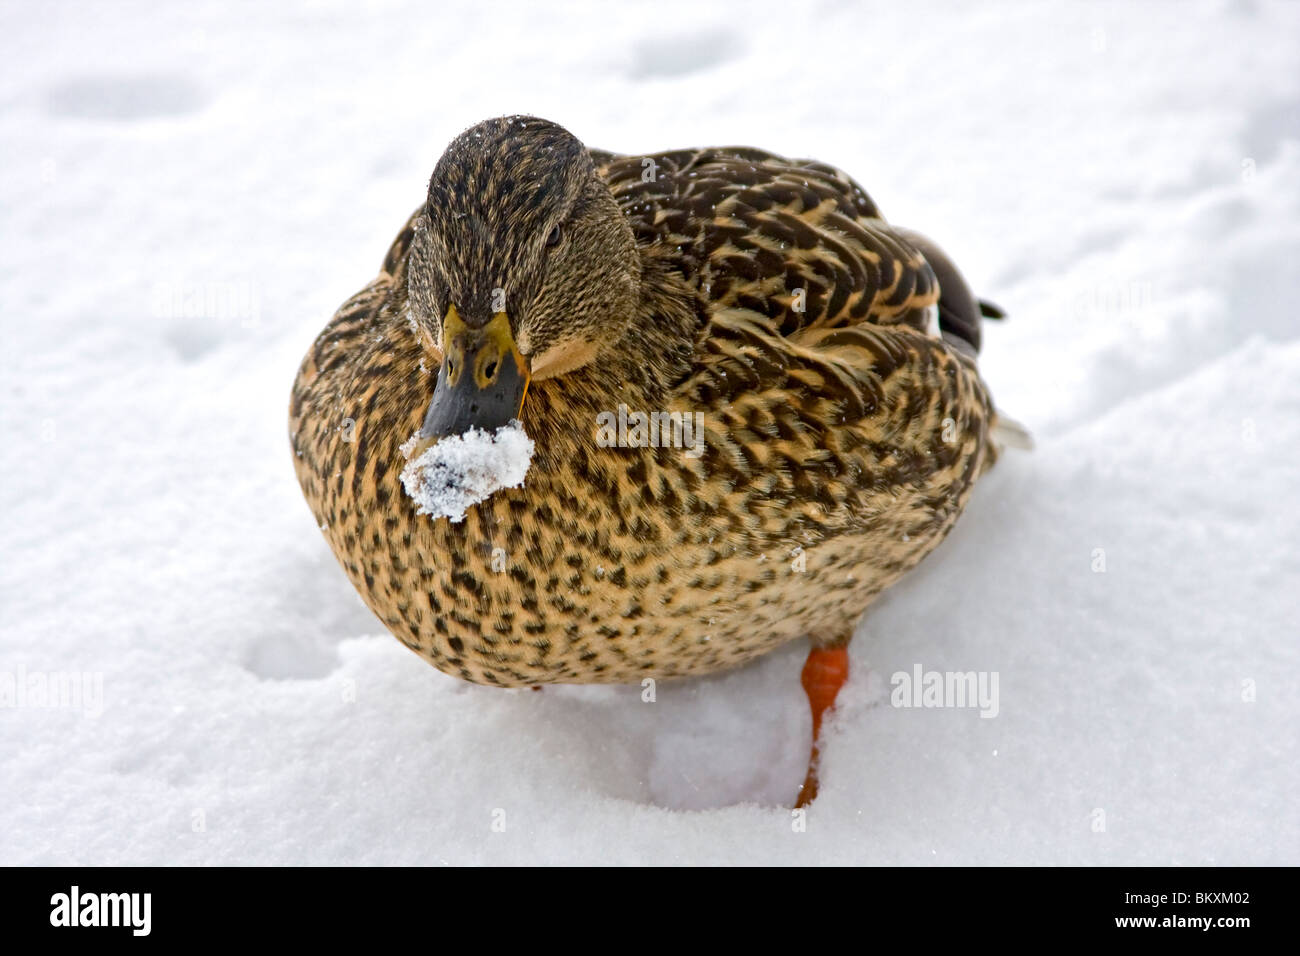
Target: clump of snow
x,y
459,471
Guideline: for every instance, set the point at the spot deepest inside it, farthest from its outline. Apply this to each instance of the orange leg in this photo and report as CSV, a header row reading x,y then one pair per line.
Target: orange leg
x,y
824,674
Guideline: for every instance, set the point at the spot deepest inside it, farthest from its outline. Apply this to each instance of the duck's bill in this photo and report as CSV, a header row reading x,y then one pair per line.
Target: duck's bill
x,y
482,381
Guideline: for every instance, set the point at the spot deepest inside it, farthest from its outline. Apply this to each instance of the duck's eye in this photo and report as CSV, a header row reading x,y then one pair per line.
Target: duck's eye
x,y
554,238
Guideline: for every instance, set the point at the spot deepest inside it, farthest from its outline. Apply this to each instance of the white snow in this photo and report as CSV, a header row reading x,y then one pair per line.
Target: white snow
x,y
190,190
459,471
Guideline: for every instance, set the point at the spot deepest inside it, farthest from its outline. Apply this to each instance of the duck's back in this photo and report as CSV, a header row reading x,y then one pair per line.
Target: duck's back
x,y
825,335
797,241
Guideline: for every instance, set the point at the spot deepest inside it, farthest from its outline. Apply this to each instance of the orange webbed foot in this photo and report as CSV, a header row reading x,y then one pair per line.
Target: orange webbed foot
x,y
824,673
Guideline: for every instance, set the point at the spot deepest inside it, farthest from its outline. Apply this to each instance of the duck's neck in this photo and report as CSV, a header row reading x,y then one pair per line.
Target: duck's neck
x,y
640,370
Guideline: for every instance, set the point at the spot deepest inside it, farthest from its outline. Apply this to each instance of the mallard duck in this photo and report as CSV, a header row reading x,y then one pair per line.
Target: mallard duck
x,y
827,357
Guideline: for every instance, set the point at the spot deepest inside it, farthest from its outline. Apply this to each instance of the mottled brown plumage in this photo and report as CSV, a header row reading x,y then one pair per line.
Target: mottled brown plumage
x,y
843,432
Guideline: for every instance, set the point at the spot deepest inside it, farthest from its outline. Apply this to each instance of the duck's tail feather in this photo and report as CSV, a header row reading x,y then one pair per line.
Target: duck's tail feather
x,y
1009,433
960,313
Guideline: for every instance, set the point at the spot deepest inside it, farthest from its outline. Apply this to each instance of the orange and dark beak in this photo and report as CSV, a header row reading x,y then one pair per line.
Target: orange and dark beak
x,y
482,381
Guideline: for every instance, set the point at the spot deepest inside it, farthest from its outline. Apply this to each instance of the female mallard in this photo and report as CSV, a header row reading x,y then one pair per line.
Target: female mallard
x,y
826,359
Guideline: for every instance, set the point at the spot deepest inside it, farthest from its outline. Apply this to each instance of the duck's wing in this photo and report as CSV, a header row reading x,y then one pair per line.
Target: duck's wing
x,y
339,352
395,260
796,240
825,345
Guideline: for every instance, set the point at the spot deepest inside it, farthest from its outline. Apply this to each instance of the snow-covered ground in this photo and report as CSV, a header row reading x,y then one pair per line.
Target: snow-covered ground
x,y
190,190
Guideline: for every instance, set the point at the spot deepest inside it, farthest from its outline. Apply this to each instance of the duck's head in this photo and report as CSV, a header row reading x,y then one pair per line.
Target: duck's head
x,y
523,267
